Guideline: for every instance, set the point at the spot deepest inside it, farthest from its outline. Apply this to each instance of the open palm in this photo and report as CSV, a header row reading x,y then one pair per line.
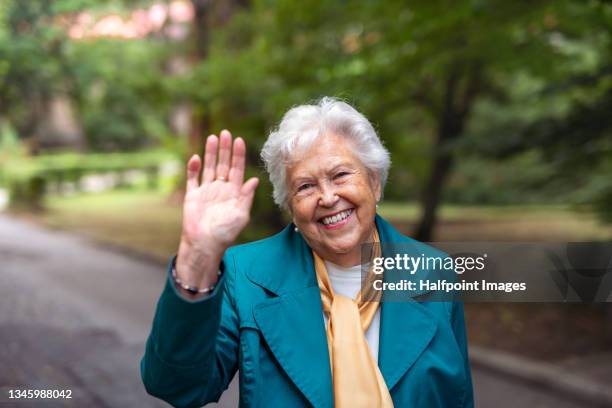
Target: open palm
x,y
216,209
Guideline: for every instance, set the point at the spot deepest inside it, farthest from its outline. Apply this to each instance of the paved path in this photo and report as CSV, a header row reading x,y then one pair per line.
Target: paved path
x,y
75,315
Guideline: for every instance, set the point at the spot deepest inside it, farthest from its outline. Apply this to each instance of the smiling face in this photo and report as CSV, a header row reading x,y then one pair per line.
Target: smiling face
x,y
333,199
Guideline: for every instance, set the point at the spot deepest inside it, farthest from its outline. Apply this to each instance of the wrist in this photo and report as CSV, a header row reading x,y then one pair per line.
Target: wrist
x,y
200,248
193,292
198,267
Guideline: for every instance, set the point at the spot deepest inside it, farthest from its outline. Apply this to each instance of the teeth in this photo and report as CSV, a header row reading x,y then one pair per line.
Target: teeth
x,y
336,218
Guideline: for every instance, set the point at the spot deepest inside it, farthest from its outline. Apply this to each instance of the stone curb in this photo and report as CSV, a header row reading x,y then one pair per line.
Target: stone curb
x,y
544,375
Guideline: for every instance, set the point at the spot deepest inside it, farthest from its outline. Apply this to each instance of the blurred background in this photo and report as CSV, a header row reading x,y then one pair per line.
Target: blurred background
x,y
498,116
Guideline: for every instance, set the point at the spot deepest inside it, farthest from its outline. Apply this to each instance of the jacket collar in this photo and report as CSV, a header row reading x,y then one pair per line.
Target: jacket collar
x,y
287,264
288,249
293,327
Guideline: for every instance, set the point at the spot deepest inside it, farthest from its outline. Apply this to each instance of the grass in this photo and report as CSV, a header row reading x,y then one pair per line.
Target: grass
x,y
504,223
411,211
144,222
149,222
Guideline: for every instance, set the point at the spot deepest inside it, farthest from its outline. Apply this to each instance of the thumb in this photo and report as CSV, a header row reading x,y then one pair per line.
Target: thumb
x,y
247,192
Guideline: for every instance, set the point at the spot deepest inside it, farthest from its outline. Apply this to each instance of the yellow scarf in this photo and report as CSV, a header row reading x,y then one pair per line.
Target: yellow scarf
x,y
356,377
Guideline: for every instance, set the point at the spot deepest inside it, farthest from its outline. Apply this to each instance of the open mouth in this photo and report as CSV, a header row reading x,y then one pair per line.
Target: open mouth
x,y
336,219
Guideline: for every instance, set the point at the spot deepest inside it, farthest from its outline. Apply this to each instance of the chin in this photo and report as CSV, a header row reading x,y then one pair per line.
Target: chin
x,y
343,247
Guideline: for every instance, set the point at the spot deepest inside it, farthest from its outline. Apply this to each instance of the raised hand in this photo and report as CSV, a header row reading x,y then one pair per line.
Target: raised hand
x,y
215,210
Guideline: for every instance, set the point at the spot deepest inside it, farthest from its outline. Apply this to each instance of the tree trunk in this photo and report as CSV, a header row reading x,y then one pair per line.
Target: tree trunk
x,y
60,127
609,321
440,168
456,107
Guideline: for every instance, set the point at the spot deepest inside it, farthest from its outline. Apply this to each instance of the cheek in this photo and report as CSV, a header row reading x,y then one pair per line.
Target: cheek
x,y
361,194
302,209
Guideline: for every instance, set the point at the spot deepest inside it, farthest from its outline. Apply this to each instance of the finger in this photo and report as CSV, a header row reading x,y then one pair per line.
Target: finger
x,y
225,152
247,192
193,171
236,173
210,159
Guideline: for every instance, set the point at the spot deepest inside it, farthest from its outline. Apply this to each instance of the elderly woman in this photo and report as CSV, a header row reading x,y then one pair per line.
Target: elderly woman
x,y
287,311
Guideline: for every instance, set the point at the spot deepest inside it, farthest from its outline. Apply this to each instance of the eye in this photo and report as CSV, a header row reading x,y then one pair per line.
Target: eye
x,y
340,174
304,186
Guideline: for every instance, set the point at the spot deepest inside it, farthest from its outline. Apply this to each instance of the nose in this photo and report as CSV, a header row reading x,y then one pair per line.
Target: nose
x,y
328,196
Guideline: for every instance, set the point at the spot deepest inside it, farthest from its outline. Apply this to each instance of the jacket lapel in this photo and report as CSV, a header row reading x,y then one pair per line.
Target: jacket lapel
x,y
293,327
406,326
292,322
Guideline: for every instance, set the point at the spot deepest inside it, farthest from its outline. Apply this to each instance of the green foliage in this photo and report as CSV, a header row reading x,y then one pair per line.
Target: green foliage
x,y
9,141
28,179
31,55
388,59
117,87
123,98
394,61
563,114
527,86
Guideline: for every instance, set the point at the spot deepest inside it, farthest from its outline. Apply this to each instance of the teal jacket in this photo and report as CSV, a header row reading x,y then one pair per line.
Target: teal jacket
x,y
265,320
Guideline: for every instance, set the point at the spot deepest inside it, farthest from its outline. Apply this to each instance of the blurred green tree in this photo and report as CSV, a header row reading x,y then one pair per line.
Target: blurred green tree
x,y
562,114
415,71
445,82
424,72
113,90
33,64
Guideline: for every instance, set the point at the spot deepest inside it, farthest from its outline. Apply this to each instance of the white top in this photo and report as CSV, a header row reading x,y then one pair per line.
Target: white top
x,y
347,282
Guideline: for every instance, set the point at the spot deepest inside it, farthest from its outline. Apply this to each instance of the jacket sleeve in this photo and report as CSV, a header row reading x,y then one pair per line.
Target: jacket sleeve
x,y
458,324
192,351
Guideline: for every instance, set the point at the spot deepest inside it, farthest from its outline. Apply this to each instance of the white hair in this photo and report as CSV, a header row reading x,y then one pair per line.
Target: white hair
x,y
303,124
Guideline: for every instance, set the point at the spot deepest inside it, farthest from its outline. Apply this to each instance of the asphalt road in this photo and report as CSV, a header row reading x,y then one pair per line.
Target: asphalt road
x,y
75,315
